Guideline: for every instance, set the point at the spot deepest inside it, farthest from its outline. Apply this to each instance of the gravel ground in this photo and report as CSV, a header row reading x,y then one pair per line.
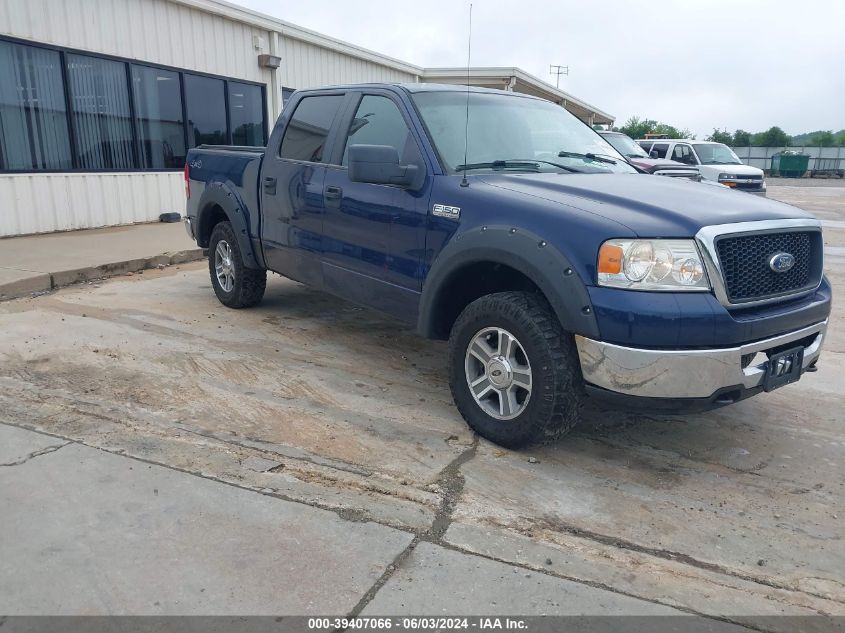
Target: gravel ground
x,y
805,182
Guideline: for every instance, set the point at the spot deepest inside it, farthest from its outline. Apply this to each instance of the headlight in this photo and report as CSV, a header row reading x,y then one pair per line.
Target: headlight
x,y
727,176
673,265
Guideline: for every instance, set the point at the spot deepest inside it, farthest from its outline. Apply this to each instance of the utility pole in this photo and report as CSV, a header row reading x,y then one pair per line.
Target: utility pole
x,y
558,70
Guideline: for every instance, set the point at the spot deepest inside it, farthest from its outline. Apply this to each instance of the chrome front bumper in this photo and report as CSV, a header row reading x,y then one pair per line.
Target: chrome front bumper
x,y
690,373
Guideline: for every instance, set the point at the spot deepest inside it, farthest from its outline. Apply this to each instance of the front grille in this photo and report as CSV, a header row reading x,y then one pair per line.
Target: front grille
x,y
745,264
677,173
757,184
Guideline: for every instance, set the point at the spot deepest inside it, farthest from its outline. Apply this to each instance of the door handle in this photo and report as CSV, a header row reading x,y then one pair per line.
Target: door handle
x,y
270,185
333,193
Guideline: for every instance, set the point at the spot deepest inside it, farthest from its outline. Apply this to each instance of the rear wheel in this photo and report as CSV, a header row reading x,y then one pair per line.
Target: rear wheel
x,y
235,285
513,371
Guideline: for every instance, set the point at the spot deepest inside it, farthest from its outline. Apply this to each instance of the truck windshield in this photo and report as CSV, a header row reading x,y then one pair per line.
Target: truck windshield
x,y
625,145
513,129
716,154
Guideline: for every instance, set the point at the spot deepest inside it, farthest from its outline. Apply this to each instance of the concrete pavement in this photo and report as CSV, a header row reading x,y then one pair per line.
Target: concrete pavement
x,y
39,263
89,532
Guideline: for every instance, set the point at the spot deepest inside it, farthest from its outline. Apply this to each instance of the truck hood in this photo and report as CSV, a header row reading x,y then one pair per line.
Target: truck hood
x,y
649,206
650,163
712,171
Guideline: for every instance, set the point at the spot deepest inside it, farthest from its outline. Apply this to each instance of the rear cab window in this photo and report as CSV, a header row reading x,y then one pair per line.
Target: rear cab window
x,y
308,128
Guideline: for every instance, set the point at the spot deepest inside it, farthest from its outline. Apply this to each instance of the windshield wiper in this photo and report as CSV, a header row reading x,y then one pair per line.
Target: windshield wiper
x,y
599,158
516,163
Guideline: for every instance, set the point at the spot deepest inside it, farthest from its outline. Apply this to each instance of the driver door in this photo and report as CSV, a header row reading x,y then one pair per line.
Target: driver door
x,y
374,234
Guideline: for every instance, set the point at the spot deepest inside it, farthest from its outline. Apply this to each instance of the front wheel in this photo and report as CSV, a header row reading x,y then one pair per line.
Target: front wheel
x,y
235,285
513,371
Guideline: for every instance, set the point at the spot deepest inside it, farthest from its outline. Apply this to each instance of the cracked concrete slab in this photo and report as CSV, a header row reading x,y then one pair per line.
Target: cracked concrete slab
x,y
470,585
669,582
624,493
17,445
95,533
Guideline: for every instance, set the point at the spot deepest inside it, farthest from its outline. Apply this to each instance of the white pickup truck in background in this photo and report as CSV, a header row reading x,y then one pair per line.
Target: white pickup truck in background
x,y
715,161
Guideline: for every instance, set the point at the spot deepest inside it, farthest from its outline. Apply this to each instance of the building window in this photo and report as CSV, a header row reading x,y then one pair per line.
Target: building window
x,y
65,110
246,114
102,121
206,105
305,136
158,112
33,116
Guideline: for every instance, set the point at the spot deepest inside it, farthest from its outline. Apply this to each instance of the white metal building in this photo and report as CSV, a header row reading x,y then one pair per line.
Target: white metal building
x,y
100,99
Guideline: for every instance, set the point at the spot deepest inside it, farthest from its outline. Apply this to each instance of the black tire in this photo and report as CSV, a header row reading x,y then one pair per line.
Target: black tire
x,y
554,405
248,284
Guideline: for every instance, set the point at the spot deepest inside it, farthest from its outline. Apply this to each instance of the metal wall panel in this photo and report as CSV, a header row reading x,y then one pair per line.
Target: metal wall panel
x,y
40,203
761,157
306,65
156,31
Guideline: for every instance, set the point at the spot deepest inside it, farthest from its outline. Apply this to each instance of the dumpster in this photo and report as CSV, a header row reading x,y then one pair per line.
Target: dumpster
x,y
790,164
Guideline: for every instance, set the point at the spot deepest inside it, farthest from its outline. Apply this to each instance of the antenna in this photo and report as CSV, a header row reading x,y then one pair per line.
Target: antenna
x,y
558,70
464,181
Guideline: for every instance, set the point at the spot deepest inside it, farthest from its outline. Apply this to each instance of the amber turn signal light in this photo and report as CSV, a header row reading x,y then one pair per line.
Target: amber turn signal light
x,y
610,258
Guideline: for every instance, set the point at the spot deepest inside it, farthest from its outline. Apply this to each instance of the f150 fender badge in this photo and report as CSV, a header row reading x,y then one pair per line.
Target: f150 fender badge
x,y
445,211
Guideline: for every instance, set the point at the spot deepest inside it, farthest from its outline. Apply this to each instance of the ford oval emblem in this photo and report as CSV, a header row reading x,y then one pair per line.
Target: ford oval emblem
x,y
781,262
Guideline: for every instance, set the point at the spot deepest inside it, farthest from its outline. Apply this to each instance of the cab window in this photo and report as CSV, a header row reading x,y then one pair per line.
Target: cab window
x,y
378,121
683,154
660,149
308,129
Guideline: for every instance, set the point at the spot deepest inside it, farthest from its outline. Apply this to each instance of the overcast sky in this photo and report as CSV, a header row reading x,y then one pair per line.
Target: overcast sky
x,y
697,64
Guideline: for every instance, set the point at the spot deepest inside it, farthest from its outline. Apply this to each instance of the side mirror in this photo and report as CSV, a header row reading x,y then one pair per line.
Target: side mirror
x,y
653,154
379,164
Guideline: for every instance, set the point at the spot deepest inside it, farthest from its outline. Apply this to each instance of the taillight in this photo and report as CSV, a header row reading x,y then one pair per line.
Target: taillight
x,y
187,183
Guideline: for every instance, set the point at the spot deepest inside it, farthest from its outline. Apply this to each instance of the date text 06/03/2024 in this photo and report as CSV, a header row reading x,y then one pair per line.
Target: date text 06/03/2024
x,y
418,623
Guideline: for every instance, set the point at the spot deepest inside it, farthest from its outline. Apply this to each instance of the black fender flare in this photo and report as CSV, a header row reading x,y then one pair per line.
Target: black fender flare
x,y
221,195
523,251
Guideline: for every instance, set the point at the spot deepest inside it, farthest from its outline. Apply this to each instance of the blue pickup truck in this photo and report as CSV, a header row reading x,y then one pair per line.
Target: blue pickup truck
x,y
498,221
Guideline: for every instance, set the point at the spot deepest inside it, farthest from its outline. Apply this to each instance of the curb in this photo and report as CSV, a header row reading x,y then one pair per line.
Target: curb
x,y
43,283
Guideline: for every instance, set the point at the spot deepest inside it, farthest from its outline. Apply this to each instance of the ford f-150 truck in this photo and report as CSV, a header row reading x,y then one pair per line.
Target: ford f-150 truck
x,y
504,224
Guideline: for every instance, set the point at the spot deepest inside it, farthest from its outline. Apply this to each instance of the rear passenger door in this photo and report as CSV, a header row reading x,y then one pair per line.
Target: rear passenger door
x,y
291,184
373,234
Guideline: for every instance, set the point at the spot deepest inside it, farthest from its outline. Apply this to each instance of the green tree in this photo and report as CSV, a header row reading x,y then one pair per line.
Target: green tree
x,y
741,138
840,138
822,139
720,136
635,127
773,137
